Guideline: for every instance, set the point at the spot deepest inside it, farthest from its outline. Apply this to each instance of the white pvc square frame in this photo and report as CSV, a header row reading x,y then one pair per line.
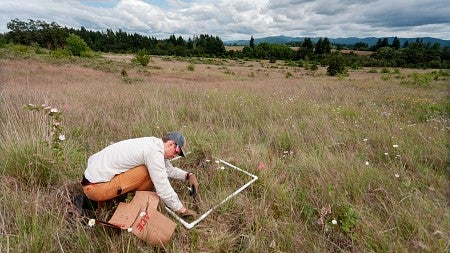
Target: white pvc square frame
x,y
203,216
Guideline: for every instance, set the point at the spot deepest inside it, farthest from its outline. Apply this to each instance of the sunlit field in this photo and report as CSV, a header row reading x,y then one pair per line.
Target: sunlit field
x,y
354,163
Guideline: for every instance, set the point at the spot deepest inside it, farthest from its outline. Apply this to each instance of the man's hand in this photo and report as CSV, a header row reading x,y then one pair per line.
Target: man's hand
x,y
193,183
187,213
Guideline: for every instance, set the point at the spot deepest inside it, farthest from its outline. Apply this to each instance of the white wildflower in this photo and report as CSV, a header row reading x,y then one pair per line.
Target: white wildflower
x,y
91,222
386,153
61,137
142,214
395,146
129,230
364,139
273,244
367,163
54,110
397,175
334,222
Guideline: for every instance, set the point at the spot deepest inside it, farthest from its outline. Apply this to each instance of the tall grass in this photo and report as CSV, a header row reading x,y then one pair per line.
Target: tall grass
x,y
347,164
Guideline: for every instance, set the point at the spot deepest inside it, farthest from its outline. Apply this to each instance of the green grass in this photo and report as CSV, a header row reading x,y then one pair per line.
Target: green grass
x,y
371,155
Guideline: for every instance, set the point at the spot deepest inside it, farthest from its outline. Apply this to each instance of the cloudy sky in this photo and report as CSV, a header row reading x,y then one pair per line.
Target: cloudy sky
x,y
240,19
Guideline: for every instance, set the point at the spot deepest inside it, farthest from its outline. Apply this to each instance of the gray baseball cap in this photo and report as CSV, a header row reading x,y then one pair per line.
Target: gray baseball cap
x,y
179,139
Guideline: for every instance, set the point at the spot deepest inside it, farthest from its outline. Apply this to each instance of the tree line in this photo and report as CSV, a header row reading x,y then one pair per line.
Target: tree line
x,y
411,54
54,36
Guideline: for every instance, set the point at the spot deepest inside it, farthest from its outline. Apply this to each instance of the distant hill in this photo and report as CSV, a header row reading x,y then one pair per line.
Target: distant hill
x,y
345,41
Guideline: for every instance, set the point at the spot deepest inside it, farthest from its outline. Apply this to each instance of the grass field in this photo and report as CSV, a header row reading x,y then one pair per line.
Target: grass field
x,y
356,163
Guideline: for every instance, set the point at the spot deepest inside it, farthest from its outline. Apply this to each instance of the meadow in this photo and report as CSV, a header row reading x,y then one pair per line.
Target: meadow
x,y
354,163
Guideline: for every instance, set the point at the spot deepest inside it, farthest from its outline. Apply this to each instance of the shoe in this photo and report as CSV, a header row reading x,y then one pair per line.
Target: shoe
x,y
83,204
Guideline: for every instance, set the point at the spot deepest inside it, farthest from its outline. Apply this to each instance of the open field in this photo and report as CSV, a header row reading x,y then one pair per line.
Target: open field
x,y
356,163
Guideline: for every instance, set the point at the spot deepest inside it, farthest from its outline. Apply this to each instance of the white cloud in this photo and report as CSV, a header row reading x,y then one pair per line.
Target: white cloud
x,y
240,19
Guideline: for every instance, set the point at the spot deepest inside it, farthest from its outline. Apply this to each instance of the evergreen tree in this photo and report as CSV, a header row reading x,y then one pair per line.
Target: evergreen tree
x,y
319,47
326,45
396,43
361,46
336,64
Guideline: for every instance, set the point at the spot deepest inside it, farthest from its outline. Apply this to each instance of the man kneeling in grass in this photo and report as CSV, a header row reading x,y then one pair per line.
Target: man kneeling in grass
x,y
140,164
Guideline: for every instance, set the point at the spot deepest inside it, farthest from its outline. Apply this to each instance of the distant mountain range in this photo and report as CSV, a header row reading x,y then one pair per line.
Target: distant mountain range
x,y
343,41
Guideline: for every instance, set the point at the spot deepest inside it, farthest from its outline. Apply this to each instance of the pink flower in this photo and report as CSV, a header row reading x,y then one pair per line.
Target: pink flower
x,y
261,165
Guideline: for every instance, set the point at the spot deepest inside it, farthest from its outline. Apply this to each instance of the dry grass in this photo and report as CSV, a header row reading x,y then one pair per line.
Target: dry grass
x,y
323,142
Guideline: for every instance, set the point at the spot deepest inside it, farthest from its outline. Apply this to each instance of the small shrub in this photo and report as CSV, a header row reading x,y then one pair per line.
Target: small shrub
x,y
130,80
288,74
61,53
385,71
306,65
418,79
191,67
228,71
141,57
20,49
356,65
386,77
39,50
313,66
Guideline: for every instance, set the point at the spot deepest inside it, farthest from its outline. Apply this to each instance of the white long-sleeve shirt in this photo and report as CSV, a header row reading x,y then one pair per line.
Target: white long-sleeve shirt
x,y
124,155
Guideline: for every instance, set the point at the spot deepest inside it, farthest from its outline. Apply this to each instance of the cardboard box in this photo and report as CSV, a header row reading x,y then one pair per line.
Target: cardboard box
x,y
141,216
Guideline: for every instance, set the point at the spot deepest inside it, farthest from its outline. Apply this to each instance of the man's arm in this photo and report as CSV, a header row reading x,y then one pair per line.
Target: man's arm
x,y
159,175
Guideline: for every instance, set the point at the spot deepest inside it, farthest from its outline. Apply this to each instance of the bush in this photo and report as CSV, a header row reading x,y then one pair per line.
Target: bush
x,y
336,65
61,53
3,42
142,57
191,67
77,46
